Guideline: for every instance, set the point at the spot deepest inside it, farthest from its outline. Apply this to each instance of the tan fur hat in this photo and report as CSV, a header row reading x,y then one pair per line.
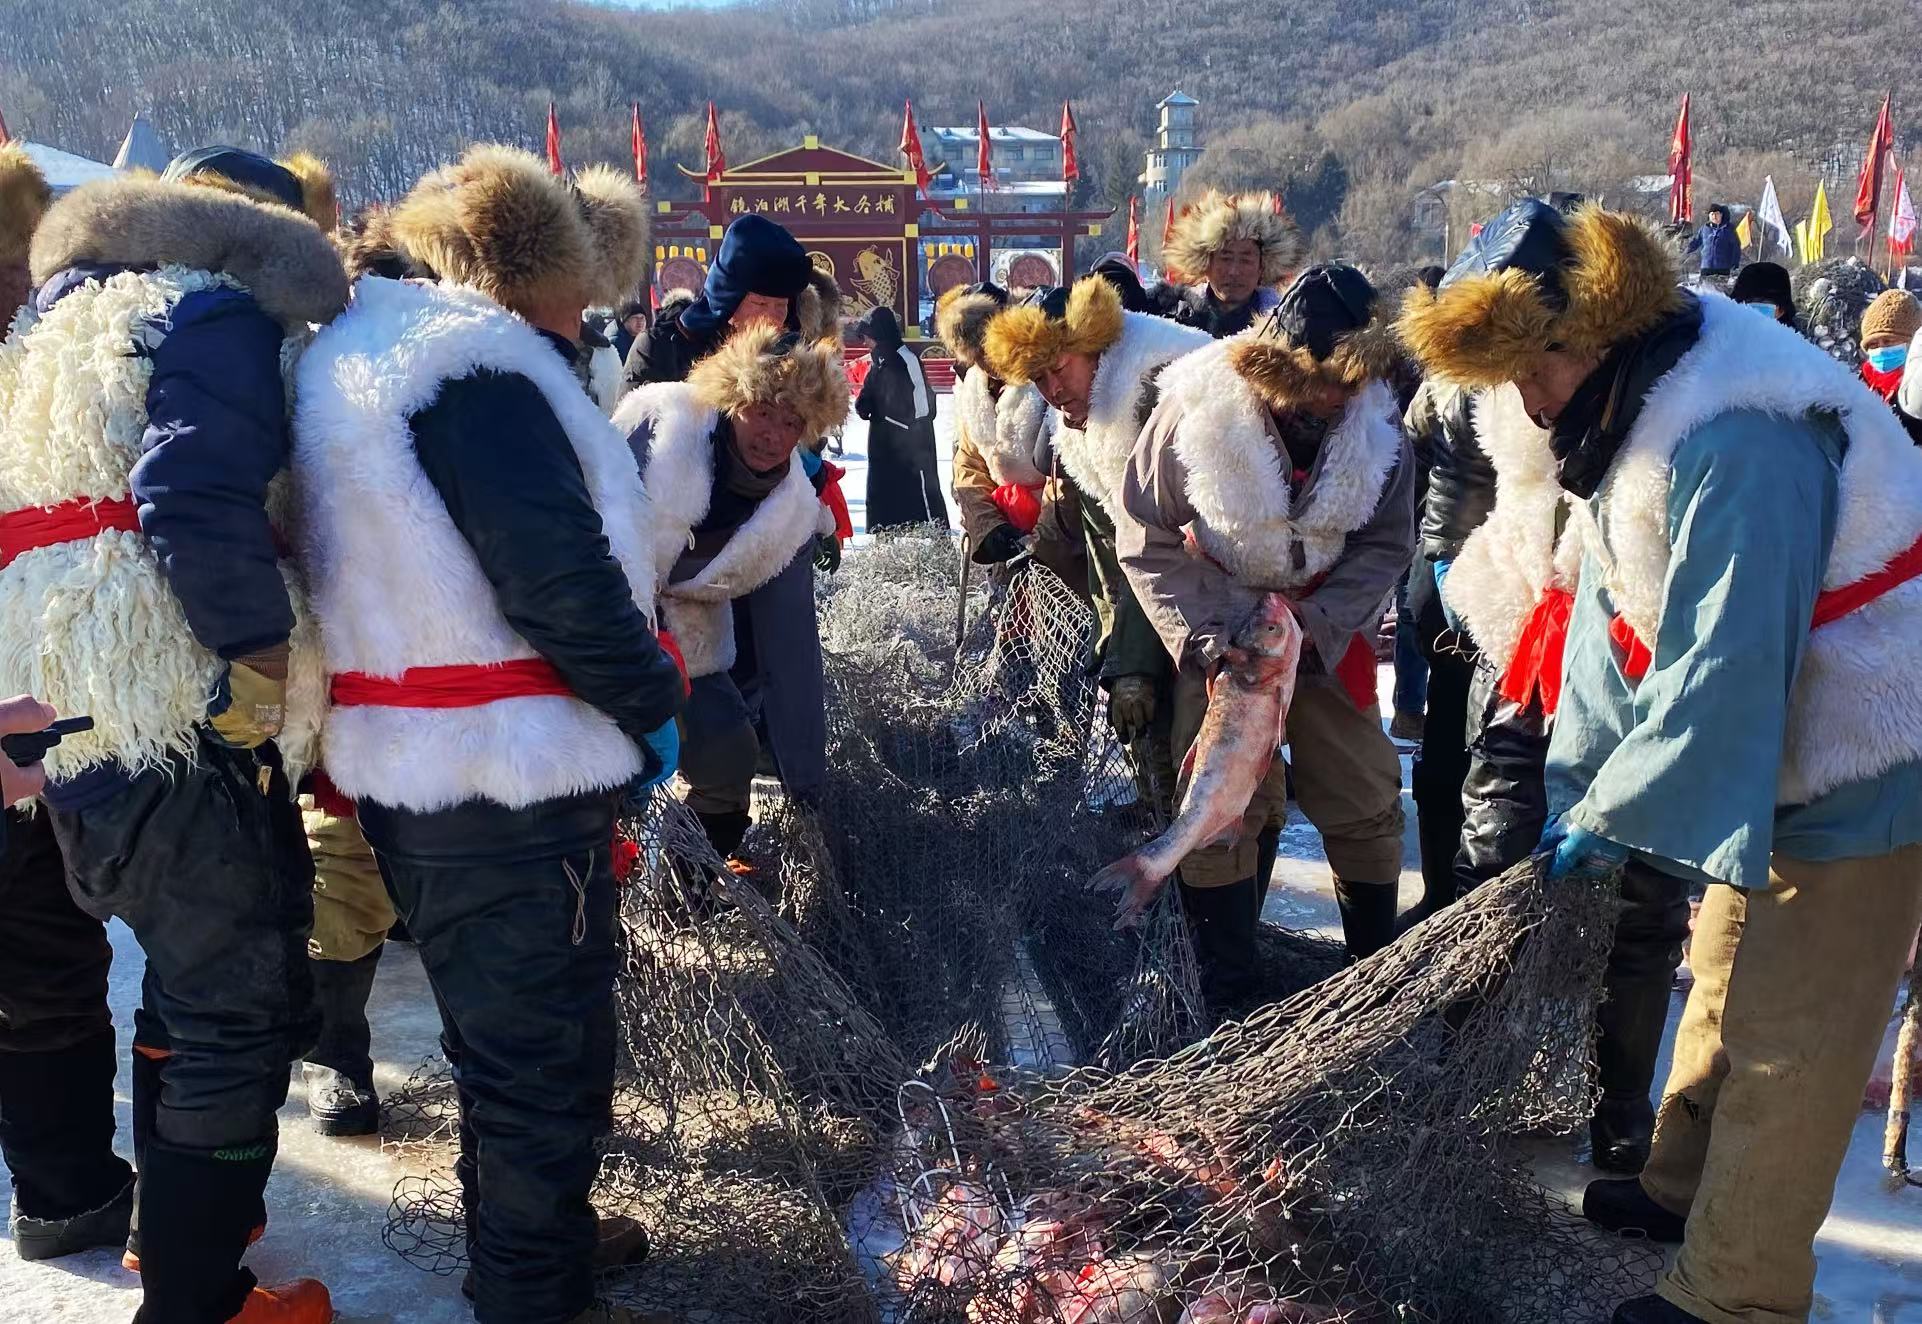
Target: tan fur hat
x,y
24,196
961,318
1893,314
1024,341
764,365
818,307
500,221
1533,280
617,217
1208,226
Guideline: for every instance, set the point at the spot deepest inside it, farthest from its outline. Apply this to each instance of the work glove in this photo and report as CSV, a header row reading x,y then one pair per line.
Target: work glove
x,y
827,553
248,705
1581,855
1002,543
1131,708
1441,569
664,743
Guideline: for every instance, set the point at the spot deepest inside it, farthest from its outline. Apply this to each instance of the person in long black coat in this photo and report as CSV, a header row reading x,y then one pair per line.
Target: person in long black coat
x,y
904,480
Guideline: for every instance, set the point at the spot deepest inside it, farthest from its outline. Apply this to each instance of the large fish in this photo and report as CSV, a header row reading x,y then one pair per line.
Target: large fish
x,y
1247,711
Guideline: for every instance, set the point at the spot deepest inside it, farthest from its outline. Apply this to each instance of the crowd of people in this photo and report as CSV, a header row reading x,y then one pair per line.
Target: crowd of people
x,y
385,579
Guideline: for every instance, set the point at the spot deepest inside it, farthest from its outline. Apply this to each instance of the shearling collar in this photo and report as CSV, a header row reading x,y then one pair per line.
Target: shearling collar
x,y
278,256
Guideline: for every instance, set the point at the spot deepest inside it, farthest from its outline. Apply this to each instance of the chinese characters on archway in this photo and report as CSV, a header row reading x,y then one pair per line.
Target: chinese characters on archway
x,y
813,202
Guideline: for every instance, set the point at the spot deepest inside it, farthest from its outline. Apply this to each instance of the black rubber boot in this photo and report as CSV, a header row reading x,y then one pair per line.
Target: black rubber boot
x,y
1222,921
70,1190
197,1210
1653,1310
1621,1205
340,1070
1367,916
1267,847
1630,1019
725,832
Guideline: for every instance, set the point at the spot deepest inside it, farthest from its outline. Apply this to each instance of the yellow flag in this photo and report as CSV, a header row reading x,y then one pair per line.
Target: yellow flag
x,y
1745,230
1819,222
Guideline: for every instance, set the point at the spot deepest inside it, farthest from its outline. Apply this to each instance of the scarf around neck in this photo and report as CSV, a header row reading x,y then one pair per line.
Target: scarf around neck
x,y
1595,423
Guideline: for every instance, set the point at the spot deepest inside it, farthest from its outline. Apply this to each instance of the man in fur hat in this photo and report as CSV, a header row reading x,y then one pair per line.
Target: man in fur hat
x,y
479,553
1239,249
1737,708
735,522
1097,366
1275,463
57,1054
1003,451
142,571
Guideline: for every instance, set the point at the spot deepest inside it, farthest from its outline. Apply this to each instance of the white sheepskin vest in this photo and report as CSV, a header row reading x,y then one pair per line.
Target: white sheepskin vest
x,y
1246,518
1515,557
91,626
604,377
1856,709
1096,456
680,484
1006,432
395,584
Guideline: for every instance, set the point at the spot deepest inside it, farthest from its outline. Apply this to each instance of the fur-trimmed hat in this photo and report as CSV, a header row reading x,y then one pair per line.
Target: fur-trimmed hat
x,y
1534,280
367,246
764,365
24,196
1025,340
1328,330
817,308
301,182
617,217
500,221
961,318
1219,219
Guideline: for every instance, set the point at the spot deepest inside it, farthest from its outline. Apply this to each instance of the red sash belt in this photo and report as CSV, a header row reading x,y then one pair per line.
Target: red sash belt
x,y
1830,605
1537,664
35,527
467,685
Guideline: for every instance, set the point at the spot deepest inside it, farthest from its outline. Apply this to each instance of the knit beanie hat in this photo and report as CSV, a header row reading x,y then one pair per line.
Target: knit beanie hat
x,y
1895,314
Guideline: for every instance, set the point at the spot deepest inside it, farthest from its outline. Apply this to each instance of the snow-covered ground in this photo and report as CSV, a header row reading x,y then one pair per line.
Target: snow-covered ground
x,y
329,1197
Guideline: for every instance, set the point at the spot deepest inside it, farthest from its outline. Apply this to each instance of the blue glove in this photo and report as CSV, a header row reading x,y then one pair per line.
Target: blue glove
x,y
664,743
1580,854
1441,577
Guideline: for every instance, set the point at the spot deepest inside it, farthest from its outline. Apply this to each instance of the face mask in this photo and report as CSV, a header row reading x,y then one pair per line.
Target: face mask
x,y
1888,358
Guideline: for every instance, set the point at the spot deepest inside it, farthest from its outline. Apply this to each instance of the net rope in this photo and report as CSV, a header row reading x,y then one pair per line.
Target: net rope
x,y
905,1070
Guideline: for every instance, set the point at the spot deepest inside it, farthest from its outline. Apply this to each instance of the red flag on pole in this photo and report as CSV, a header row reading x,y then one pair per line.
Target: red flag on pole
x,y
1868,189
1681,169
1134,229
984,158
5,137
911,148
1070,163
554,162
640,149
716,158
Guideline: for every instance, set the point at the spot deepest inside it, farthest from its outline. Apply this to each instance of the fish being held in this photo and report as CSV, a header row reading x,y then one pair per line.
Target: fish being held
x,y
1247,711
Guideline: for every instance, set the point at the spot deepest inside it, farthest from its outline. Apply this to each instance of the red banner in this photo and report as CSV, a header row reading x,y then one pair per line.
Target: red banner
x,y
1070,163
554,161
911,148
716,158
640,149
984,157
1134,229
1681,169
1868,189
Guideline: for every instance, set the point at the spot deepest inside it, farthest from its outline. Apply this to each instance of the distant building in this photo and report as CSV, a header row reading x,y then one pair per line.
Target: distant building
x,y
1021,155
1174,149
142,148
64,170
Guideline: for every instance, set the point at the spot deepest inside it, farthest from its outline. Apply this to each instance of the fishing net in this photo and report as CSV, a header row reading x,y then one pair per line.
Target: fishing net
x,y
903,1068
